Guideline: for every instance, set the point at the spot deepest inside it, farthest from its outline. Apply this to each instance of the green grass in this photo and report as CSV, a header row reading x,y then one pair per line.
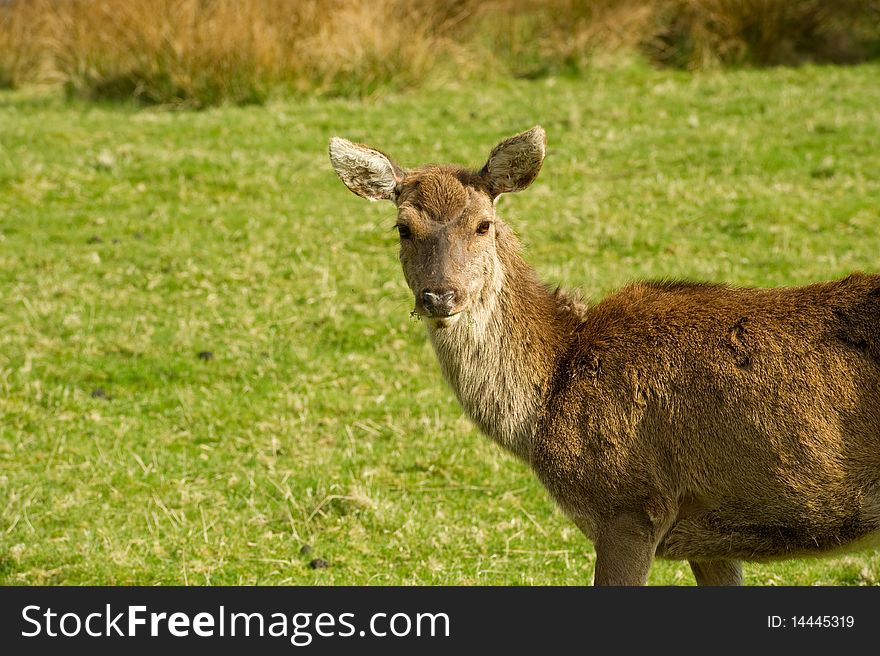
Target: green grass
x,y
131,241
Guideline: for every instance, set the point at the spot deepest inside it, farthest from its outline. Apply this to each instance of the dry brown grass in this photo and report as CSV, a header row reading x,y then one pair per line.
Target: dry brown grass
x,y
694,34
533,37
23,50
203,52
705,33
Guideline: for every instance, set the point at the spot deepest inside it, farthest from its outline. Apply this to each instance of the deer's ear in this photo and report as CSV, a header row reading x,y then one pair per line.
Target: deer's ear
x,y
366,171
515,162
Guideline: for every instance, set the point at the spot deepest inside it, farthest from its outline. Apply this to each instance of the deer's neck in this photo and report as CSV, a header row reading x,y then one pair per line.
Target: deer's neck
x,y
500,354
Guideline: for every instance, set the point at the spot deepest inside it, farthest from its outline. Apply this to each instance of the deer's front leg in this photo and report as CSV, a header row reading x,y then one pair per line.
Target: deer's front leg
x,y
624,551
717,572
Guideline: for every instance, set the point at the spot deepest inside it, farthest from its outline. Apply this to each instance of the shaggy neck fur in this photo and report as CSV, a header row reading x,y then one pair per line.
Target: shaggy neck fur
x,y
499,355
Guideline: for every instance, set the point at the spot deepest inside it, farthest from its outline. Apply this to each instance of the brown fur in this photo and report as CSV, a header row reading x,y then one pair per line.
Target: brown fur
x,y
674,419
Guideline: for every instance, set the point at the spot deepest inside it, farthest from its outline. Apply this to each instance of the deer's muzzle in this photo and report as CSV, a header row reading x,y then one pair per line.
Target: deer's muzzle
x,y
439,302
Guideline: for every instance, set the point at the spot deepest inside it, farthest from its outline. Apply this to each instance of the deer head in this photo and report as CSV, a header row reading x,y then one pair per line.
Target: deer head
x,y
446,219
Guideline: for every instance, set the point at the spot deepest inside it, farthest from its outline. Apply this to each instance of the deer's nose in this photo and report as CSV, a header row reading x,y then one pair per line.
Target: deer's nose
x,y
438,301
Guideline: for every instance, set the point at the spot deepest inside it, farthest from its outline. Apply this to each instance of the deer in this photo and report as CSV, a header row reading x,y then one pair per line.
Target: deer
x,y
672,419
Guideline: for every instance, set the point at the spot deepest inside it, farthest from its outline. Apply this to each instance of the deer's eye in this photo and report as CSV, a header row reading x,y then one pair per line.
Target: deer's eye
x,y
404,231
483,228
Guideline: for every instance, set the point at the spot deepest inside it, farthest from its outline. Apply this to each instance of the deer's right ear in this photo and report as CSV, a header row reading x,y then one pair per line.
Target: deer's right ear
x,y
366,171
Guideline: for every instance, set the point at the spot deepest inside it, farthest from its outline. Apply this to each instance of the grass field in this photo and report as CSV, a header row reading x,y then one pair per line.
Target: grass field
x,y
206,355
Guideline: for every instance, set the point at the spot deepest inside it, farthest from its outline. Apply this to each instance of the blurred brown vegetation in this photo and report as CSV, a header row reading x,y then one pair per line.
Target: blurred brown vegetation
x,y
204,52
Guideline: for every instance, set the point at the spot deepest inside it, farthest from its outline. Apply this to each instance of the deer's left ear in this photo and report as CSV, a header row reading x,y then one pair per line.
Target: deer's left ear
x,y
368,172
515,162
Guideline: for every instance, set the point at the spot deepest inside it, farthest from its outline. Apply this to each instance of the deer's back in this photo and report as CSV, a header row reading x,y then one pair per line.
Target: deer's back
x,y
757,405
